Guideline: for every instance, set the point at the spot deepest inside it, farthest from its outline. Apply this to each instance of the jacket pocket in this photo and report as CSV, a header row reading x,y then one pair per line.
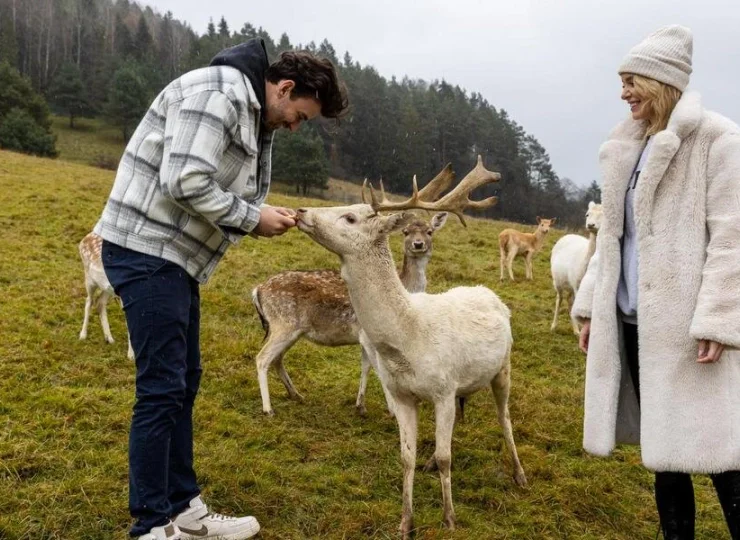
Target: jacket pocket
x,y
248,140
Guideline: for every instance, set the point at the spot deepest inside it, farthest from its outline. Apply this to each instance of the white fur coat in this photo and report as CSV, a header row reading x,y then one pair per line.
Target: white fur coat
x,y
687,207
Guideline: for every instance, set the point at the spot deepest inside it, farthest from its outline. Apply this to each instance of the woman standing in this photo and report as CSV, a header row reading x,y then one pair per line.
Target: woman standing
x,y
666,276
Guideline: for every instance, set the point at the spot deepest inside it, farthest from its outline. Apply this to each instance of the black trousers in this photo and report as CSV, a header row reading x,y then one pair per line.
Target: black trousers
x,y
674,491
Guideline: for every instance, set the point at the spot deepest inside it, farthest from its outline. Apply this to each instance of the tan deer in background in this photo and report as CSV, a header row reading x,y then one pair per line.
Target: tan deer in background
x,y
512,243
431,347
95,280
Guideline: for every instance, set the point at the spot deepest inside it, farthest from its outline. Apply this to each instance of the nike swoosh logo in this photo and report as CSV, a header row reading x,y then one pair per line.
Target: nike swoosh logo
x,y
203,531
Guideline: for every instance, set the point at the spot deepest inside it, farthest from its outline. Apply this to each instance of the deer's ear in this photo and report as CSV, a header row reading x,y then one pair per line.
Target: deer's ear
x,y
591,204
553,220
439,220
395,222
538,220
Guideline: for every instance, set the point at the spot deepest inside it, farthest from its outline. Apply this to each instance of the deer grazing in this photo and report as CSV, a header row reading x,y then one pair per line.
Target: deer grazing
x,y
95,280
569,261
512,243
432,347
315,305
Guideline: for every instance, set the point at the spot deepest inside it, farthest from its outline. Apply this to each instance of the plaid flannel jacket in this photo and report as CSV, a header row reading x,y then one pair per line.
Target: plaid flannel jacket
x,y
194,173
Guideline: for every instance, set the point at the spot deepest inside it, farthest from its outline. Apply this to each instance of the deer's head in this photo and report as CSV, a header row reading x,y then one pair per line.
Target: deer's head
x,y
594,215
543,225
355,229
417,240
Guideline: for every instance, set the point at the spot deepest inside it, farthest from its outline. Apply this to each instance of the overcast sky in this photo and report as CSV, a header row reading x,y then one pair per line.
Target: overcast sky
x,y
550,63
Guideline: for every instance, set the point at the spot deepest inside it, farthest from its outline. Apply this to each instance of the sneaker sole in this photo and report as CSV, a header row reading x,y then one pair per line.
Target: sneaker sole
x,y
243,535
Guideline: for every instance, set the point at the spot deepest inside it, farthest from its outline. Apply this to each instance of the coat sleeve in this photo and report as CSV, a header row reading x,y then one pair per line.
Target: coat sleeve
x,y
581,309
201,129
717,312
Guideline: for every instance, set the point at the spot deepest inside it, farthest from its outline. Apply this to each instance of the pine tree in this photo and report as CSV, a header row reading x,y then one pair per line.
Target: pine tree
x,y
299,159
8,39
67,92
593,193
127,99
16,91
143,44
24,115
223,32
124,43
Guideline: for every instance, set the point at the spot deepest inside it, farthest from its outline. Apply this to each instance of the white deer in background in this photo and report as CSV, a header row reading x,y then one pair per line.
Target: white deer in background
x,y
95,280
432,347
315,305
569,261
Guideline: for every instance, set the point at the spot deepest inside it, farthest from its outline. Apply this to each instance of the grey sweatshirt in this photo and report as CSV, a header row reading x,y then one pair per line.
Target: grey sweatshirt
x,y
627,290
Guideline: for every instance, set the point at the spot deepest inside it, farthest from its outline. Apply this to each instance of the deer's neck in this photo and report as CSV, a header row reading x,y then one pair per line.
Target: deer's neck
x,y
414,273
589,253
381,303
539,238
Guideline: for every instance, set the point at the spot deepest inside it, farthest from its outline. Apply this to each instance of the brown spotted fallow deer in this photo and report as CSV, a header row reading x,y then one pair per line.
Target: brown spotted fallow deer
x,y
512,243
429,347
315,305
95,280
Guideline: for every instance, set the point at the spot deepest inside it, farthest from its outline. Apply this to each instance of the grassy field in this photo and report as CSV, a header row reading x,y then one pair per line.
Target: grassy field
x,y
315,470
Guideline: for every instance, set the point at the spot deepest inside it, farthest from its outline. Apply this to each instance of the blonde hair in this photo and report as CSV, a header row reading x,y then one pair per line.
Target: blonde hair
x,y
660,98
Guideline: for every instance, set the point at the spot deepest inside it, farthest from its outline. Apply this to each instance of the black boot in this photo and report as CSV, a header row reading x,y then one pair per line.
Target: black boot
x,y
674,496
727,485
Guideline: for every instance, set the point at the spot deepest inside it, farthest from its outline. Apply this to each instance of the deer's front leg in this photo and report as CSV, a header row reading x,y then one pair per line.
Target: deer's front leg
x,y
406,416
529,264
444,413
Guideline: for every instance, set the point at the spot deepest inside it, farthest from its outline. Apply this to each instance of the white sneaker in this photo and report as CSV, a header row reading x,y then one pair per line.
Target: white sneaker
x,y
165,532
197,522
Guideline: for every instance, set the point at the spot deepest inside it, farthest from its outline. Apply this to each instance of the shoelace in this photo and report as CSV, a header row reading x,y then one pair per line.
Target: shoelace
x,y
219,517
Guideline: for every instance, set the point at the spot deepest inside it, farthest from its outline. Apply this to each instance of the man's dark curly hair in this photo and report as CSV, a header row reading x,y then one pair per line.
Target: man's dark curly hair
x,y
314,77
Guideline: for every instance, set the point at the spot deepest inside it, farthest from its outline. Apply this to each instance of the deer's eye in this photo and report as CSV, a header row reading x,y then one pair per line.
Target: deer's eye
x,y
405,232
350,218
429,232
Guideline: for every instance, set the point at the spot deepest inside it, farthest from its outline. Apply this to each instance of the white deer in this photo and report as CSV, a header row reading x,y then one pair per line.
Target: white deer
x,y
315,305
432,347
569,261
95,280
512,243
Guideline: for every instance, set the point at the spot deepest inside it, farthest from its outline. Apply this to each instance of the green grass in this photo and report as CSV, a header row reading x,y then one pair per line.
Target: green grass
x,y
91,142
315,470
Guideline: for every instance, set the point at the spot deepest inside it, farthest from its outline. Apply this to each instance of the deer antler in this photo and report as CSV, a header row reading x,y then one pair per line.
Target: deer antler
x,y
456,201
430,192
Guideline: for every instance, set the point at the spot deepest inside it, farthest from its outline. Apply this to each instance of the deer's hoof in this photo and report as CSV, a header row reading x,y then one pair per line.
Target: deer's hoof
x,y
270,413
520,479
407,528
449,522
362,410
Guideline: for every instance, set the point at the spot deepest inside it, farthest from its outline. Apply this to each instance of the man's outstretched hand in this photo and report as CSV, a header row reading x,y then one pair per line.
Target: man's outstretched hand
x,y
274,221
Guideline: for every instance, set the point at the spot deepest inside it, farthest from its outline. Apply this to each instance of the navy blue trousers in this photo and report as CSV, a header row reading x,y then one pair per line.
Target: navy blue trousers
x,y
162,306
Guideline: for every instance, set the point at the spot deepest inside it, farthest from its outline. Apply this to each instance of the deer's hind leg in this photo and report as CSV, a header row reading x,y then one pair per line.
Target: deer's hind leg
x,y
501,385
278,342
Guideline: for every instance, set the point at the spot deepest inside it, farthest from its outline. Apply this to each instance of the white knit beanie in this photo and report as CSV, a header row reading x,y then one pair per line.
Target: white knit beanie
x,y
665,56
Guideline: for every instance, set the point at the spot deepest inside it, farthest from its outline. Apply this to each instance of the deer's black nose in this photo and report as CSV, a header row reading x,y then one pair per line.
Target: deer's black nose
x,y
301,210
418,245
